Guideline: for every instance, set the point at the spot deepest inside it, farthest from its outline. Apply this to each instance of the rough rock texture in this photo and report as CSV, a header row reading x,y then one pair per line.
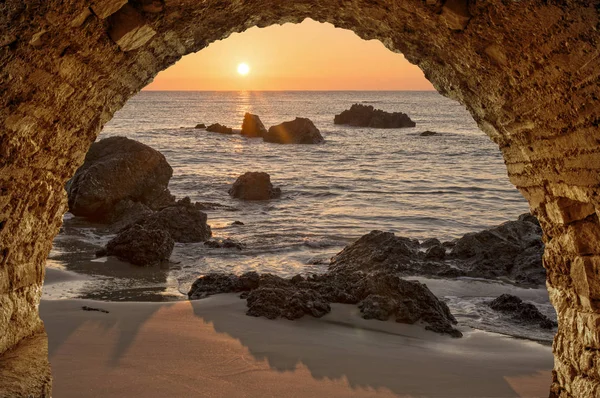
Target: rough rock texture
x,y
366,116
254,186
116,169
527,71
252,127
183,222
511,251
520,311
298,131
379,295
219,128
140,246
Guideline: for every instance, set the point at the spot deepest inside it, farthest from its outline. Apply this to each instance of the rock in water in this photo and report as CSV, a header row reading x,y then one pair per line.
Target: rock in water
x,y
200,126
219,128
366,116
297,131
521,312
140,246
512,250
252,127
254,186
117,169
183,222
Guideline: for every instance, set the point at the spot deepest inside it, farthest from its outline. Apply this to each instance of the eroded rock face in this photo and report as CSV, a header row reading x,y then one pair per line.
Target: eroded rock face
x,y
298,131
254,186
532,92
252,126
116,169
366,116
521,312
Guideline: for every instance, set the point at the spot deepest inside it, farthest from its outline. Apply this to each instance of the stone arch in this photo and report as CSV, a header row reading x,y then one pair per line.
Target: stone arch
x,y
527,71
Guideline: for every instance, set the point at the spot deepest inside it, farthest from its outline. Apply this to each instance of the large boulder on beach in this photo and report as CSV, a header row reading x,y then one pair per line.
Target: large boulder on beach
x,y
298,131
254,186
140,246
116,169
182,221
366,116
252,127
219,128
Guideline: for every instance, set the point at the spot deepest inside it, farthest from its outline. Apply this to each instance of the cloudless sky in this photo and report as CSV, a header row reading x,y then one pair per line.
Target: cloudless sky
x,y
306,56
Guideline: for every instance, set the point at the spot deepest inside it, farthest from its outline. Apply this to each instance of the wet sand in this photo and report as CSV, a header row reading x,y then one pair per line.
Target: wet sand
x,y
210,348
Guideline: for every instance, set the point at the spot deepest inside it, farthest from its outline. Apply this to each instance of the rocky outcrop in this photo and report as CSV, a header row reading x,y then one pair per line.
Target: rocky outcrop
x,y
379,295
116,169
520,311
298,131
254,186
183,222
200,126
252,127
140,246
512,251
219,128
360,115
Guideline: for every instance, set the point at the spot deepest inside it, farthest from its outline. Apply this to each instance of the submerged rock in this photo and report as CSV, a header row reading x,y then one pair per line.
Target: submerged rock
x,y
254,186
140,246
219,128
521,312
252,127
117,169
182,221
297,131
226,243
366,116
511,251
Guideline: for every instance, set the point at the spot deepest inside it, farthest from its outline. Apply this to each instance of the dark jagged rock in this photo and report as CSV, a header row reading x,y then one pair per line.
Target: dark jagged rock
x,y
227,243
252,126
219,128
521,312
366,116
428,133
127,212
140,246
200,126
117,169
237,223
254,186
183,221
510,251
298,131
380,295
529,218
275,302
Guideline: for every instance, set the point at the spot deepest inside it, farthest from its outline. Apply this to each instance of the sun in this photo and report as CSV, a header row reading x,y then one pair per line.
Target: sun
x,y
243,69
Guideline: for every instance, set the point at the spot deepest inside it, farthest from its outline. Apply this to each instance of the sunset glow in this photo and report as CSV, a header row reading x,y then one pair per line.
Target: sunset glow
x,y
306,56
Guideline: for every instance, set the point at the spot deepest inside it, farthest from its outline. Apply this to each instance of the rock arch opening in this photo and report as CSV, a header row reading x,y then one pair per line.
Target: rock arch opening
x,y
528,73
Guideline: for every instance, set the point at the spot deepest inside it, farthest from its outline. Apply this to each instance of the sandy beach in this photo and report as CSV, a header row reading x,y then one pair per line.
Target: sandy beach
x,y
210,348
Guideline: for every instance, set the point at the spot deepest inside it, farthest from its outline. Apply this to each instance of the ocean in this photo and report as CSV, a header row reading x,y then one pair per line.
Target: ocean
x,y
359,180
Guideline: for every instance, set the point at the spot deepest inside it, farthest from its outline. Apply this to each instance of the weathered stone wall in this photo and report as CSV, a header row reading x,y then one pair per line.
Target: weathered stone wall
x,y
527,70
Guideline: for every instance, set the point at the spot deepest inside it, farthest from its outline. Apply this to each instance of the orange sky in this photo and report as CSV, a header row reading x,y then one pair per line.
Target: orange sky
x,y
306,56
